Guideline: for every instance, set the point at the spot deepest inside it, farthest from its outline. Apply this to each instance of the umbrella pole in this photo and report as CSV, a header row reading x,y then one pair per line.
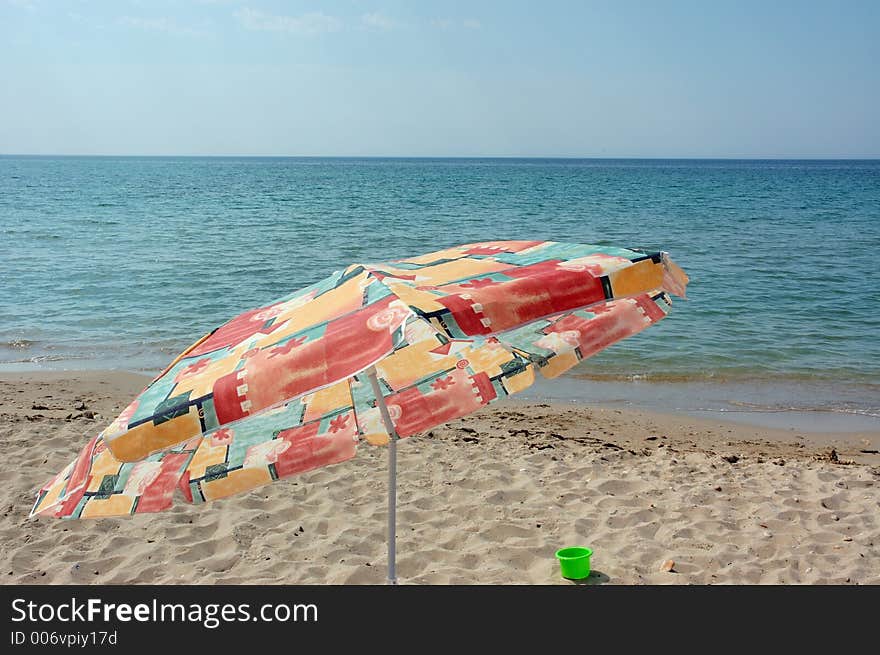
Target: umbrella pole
x,y
392,475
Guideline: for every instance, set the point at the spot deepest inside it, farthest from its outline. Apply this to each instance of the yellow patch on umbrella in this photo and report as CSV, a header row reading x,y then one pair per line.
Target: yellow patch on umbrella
x,y
326,401
206,455
450,271
637,278
148,438
487,359
422,300
560,364
115,505
412,363
520,381
236,482
103,464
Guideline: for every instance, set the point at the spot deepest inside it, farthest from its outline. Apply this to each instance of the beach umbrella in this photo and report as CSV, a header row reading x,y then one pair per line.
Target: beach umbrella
x,y
371,354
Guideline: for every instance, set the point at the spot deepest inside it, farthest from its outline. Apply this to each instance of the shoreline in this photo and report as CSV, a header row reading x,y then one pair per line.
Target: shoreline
x,y
811,406
109,391
800,406
727,502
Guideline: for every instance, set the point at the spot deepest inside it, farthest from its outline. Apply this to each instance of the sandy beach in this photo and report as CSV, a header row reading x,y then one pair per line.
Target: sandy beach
x,y
486,499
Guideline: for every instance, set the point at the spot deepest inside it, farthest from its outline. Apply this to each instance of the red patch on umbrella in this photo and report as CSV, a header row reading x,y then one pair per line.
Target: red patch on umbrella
x,y
183,485
193,369
442,383
338,423
236,331
421,411
222,437
158,494
80,474
478,284
532,292
614,321
347,346
309,450
285,348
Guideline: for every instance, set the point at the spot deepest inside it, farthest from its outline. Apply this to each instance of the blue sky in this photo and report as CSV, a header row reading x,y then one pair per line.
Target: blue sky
x,y
539,78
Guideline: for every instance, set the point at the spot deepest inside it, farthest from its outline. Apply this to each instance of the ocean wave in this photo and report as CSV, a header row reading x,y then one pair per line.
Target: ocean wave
x,y
41,359
753,408
19,344
730,376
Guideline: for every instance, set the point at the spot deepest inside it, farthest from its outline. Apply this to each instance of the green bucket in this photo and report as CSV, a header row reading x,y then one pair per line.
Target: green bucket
x,y
574,562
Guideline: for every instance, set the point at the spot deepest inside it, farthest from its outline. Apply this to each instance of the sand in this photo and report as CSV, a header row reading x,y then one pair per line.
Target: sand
x,y
486,499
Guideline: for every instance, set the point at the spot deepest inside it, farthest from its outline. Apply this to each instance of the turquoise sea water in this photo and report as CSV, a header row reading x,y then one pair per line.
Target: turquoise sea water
x,y
121,262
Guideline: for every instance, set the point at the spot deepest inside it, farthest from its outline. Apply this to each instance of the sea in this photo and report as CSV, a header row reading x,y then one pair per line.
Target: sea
x,y
121,262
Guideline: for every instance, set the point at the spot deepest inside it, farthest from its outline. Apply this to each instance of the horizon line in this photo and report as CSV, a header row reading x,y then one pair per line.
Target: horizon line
x,y
561,157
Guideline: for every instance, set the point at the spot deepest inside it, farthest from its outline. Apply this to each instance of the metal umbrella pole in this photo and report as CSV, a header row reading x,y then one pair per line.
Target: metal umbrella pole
x,y
392,475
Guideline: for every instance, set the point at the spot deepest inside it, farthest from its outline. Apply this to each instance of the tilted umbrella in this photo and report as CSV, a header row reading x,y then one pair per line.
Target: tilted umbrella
x,y
371,353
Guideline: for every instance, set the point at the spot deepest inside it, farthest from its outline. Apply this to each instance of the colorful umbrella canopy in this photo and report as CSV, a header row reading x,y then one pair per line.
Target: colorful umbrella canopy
x,y
371,353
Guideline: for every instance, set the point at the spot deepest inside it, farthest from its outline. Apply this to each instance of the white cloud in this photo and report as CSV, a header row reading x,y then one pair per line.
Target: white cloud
x,y
471,23
310,23
163,25
379,22
30,5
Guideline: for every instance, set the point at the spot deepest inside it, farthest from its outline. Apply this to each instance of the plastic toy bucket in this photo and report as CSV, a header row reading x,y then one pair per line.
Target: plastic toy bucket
x,y
574,562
